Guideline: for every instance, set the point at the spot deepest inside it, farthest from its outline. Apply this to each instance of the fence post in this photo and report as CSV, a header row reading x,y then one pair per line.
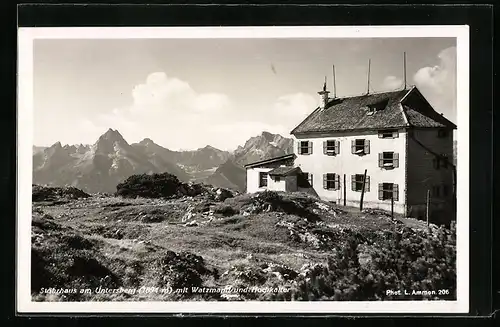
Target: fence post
x,y
427,206
392,205
362,193
344,192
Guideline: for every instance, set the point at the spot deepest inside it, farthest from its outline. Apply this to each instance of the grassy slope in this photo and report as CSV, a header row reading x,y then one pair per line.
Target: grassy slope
x,y
126,241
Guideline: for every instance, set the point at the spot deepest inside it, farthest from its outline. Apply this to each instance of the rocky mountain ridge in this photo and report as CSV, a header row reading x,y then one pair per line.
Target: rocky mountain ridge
x,y
111,159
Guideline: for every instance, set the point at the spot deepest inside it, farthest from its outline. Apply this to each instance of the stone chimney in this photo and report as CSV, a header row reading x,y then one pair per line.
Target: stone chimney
x,y
323,94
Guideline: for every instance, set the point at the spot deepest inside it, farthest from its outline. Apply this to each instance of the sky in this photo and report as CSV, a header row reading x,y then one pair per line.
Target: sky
x,y
188,93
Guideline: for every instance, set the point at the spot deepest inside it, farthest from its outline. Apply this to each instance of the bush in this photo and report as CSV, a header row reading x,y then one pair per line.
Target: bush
x,y
225,210
409,260
48,193
149,186
299,206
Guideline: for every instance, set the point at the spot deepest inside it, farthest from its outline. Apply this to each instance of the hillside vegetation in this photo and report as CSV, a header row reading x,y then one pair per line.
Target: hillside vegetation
x,y
179,244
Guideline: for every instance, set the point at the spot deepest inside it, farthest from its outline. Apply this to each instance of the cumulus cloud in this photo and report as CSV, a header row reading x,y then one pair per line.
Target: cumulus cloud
x,y
160,92
438,83
291,109
173,114
392,83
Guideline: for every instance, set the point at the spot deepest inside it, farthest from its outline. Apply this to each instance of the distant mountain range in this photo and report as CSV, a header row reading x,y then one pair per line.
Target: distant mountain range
x,y
232,173
110,160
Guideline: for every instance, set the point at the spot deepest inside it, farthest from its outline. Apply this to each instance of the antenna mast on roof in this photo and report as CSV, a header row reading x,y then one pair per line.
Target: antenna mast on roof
x,y
368,88
404,68
334,86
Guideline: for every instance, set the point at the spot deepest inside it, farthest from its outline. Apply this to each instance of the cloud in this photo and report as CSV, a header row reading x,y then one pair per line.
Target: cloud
x,y
392,83
438,83
169,111
160,92
291,109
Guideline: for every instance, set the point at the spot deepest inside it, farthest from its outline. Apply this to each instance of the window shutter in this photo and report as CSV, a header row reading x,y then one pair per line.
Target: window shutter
x,y
310,147
395,134
395,192
337,147
381,159
337,182
324,147
395,160
353,146
367,146
367,184
298,147
325,184
380,134
380,191
353,182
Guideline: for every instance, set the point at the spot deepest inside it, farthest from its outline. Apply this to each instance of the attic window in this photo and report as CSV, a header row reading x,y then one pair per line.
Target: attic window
x,y
388,134
374,107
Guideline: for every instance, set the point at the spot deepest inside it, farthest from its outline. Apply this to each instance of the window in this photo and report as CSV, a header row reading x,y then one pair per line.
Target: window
x,y
360,146
440,162
388,160
388,134
444,161
378,106
305,180
435,191
442,133
331,147
277,178
387,191
262,179
331,181
357,183
305,147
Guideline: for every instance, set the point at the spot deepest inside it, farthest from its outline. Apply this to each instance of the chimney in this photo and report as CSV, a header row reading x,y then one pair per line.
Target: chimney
x,y
323,94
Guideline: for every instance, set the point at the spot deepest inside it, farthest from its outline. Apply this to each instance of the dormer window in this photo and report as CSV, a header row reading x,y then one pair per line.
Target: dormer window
x,y
360,146
374,107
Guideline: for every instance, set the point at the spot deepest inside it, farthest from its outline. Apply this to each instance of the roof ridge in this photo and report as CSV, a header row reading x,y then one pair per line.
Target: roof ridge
x,y
368,94
405,116
291,155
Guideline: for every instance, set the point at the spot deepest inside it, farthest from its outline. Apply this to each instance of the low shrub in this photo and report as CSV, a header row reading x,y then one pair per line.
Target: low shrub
x,y
409,260
226,210
149,186
48,193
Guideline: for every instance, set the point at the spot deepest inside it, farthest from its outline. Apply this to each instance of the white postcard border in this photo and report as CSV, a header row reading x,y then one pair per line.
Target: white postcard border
x,y
26,37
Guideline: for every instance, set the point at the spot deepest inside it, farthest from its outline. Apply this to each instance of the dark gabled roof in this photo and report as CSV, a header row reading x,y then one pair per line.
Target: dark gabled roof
x,y
425,116
270,160
351,113
284,171
418,119
346,114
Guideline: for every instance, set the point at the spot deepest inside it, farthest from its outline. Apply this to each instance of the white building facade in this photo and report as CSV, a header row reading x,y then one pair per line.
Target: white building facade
x,y
397,138
336,172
